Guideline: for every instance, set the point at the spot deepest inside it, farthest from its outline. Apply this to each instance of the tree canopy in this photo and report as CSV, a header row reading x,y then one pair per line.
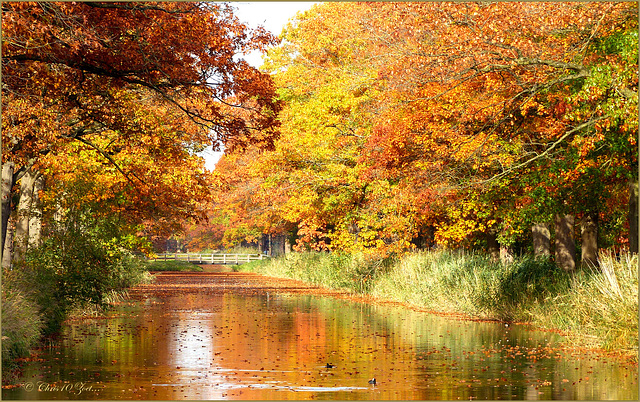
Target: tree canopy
x,y
409,124
126,95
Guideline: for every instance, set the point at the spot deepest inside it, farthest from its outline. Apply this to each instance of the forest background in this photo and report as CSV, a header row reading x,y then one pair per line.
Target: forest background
x,y
372,130
421,125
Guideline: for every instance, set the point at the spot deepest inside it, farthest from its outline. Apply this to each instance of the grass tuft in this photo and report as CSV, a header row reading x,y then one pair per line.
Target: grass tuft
x,y
601,303
21,324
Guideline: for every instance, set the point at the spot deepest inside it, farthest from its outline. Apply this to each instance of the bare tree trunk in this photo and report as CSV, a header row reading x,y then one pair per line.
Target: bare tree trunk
x,y
35,220
589,234
7,184
633,217
565,245
21,236
493,248
541,240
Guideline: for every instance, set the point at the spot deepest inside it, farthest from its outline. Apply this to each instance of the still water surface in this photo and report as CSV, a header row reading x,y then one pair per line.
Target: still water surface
x,y
266,345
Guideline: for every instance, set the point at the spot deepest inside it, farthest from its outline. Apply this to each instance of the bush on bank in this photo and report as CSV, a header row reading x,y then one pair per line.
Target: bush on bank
x,y
79,263
600,303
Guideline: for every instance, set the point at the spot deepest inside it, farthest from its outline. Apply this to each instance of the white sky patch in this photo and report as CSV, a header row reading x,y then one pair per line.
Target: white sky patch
x,y
273,16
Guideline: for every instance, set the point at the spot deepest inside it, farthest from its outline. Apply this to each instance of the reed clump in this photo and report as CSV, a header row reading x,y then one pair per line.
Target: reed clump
x,y
601,303
21,323
356,272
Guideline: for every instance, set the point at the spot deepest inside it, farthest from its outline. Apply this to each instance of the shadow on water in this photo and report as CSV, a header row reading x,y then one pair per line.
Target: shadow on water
x,y
237,345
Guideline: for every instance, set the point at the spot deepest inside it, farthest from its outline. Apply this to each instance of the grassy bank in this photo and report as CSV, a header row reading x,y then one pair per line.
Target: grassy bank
x,y
179,266
600,304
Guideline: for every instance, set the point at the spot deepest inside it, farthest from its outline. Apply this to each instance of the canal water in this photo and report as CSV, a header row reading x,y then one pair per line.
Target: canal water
x,y
268,345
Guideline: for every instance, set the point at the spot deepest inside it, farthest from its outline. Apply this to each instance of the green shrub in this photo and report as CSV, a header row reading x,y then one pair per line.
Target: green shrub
x,y
241,250
81,258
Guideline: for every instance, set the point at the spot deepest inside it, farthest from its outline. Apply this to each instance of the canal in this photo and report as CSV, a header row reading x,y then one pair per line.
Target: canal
x,y
239,336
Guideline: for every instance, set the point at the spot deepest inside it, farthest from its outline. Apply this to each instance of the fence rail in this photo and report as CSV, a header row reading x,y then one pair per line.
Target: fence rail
x,y
213,258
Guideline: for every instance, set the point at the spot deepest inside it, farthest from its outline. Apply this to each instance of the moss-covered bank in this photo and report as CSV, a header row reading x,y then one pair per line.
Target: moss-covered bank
x,y
597,306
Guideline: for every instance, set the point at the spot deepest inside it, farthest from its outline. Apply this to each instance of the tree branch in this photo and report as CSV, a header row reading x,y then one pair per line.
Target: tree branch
x,y
136,7
543,154
110,159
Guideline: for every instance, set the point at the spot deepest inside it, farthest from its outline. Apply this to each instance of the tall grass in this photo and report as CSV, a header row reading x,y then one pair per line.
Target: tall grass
x,y
601,303
356,273
21,324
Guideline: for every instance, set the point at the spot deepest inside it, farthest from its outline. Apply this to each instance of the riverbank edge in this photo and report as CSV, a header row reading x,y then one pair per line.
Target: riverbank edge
x,y
24,324
595,309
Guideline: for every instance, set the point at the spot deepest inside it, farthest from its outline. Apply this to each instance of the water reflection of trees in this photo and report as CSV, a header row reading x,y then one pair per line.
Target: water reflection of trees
x,y
227,345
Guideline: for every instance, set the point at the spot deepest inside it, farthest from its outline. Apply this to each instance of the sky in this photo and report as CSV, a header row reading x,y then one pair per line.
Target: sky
x,y
273,15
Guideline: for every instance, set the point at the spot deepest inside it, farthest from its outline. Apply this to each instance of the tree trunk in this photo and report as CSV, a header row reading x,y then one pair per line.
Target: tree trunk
x,y
506,254
25,204
565,245
633,217
35,220
7,184
589,233
493,248
7,250
278,245
541,240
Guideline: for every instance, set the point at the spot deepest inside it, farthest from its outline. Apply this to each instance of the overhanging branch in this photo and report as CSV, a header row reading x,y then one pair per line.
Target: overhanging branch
x,y
110,159
540,155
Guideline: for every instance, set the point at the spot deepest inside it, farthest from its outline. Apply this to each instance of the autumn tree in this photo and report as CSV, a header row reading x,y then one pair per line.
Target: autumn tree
x,y
305,181
326,70
465,123
491,92
140,87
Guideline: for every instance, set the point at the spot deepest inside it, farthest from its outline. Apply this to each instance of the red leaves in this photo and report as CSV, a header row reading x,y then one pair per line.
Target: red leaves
x,y
172,50
125,94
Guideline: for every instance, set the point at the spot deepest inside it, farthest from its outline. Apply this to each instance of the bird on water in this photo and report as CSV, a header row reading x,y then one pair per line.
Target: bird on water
x,y
329,365
372,381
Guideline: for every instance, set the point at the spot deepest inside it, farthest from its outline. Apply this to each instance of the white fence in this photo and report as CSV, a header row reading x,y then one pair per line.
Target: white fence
x,y
213,258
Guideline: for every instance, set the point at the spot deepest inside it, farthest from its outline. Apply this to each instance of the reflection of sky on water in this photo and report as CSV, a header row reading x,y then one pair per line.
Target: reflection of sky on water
x,y
191,350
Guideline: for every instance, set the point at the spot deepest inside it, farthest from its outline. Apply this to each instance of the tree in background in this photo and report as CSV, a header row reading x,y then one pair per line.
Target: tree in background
x,y
464,124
